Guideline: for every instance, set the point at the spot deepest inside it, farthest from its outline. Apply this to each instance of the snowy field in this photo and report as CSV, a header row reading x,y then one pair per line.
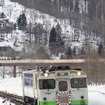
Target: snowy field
x,y
14,85
5,103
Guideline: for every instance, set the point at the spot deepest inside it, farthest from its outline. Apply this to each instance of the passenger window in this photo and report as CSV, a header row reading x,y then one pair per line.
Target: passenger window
x,y
28,79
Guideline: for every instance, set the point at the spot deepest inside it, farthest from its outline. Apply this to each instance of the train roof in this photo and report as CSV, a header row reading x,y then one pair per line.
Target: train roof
x,y
51,68
57,68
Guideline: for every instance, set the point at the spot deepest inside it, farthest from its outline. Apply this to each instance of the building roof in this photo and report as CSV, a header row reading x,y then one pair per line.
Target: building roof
x,y
3,17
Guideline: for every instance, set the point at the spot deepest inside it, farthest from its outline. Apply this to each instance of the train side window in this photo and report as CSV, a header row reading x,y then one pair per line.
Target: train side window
x,y
28,82
78,83
28,79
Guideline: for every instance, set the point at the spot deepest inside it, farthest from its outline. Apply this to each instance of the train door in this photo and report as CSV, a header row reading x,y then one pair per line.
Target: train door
x,y
63,92
28,87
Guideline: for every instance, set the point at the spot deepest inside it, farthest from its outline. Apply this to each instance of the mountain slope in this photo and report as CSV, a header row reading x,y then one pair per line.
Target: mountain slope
x,y
73,37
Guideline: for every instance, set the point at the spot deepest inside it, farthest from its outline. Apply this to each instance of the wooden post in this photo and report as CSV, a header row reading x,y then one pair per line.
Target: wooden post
x,y
14,72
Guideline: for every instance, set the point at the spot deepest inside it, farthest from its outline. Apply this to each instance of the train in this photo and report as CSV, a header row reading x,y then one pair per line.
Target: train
x,y
55,86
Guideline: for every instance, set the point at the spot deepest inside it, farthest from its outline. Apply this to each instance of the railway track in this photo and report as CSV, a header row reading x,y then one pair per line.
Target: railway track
x,y
17,100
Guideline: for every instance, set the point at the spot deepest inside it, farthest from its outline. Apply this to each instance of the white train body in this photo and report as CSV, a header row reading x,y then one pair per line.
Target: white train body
x,y
58,87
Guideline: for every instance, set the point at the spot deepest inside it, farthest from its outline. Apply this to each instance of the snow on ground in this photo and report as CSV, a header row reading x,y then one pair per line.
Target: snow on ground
x,y
12,85
6,102
96,94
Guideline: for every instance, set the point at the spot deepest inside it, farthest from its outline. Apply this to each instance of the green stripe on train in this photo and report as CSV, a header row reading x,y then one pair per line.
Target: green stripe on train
x,y
47,103
73,102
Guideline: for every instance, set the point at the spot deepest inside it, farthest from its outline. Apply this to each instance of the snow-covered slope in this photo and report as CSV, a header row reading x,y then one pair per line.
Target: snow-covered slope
x,y
13,10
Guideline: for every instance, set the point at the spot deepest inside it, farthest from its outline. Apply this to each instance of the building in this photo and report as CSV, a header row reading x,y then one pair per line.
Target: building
x,y
3,23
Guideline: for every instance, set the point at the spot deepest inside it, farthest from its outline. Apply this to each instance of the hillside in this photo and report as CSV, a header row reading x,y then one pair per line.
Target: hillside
x,y
74,37
89,12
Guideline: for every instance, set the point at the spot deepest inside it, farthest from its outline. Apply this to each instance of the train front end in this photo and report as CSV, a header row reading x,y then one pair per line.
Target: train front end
x,y
63,87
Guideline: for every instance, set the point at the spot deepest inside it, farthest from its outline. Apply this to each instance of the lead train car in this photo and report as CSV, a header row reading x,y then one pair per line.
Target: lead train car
x,y
55,87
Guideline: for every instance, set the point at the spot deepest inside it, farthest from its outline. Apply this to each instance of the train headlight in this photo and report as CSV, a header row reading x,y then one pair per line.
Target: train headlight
x,y
78,73
45,74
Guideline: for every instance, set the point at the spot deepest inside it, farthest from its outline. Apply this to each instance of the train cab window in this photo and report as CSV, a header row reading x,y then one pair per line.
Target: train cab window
x,y
63,86
78,83
46,84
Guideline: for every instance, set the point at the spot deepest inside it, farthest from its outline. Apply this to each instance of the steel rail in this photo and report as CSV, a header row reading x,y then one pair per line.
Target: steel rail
x,y
18,100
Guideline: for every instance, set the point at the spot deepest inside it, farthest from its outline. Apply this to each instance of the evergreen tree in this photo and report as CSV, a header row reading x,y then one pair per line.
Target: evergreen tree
x,y
69,53
101,50
58,35
3,15
19,22
52,37
55,41
22,22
